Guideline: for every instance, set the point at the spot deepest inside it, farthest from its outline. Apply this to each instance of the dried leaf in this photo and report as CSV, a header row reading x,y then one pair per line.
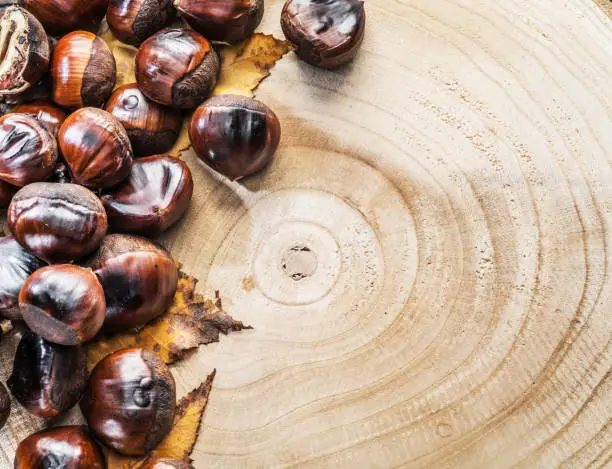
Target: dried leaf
x,y
245,65
181,440
183,143
124,57
190,321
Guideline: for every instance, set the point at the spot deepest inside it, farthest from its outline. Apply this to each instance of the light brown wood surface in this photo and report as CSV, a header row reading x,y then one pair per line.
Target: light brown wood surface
x,y
453,190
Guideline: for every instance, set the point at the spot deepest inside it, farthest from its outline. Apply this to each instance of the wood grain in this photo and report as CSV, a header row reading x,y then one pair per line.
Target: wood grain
x,y
426,261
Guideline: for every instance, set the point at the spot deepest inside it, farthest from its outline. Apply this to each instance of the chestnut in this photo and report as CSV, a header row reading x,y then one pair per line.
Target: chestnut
x,y
167,463
130,401
139,280
83,71
48,115
68,447
64,304
25,51
234,135
63,16
28,152
177,67
96,148
132,21
152,128
57,222
16,266
153,198
47,378
226,21
5,405
327,33
7,192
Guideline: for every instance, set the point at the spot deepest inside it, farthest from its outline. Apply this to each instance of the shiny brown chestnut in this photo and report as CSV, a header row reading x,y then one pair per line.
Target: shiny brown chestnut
x,y
47,378
235,135
154,197
7,192
64,304
96,148
46,113
25,51
130,401
133,21
327,33
28,152
83,71
16,266
61,447
138,277
222,20
5,405
167,463
151,127
177,67
57,222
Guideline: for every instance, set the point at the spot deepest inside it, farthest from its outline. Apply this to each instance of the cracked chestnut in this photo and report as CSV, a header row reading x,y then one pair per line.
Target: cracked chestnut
x,y
47,378
68,447
57,222
64,304
177,68
167,463
133,21
234,135
139,280
28,153
154,197
16,266
130,401
25,51
7,192
151,127
46,113
327,33
96,148
222,20
83,71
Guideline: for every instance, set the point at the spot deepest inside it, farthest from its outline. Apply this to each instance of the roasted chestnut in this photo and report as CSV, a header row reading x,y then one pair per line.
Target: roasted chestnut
x,y
48,115
327,33
139,280
57,222
64,304
59,448
177,67
7,192
47,378
28,152
222,20
83,70
167,463
132,21
152,128
25,50
234,135
62,16
153,198
5,405
16,266
96,148
130,401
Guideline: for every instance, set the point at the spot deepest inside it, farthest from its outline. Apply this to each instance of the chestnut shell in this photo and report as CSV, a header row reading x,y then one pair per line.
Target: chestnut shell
x,y
151,127
16,266
327,33
154,197
64,304
28,153
96,148
167,463
63,16
177,67
133,21
130,401
222,20
235,135
47,378
138,277
46,113
68,447
7,191
57,222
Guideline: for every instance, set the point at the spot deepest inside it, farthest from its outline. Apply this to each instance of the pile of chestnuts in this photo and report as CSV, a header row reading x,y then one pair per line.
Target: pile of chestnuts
x,y
84,177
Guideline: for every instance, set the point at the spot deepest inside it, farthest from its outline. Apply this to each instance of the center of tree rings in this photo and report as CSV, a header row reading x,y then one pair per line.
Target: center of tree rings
x,y
299,262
